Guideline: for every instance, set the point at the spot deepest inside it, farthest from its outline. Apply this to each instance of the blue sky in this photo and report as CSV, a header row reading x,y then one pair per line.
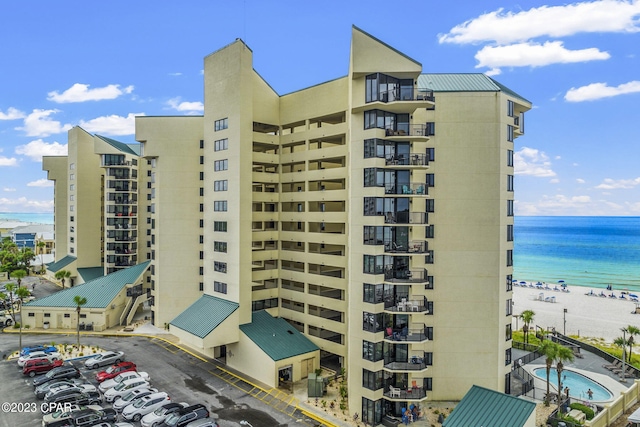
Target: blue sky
x,y
99,64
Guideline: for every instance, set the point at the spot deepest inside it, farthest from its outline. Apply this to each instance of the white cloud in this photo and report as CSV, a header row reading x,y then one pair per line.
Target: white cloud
x,y
38,123
557,157
554,181
530,161
595,91
175,74
40,183
8,189
8,161
580,181
12,114
613,184
604,16
535,55
111,125
189,107
23,204
38,148
80,93
560,205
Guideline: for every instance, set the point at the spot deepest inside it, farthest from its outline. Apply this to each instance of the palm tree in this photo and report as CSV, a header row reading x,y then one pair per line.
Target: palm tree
x,y
549,350
632,331
527,318
564,354
622,343
11,289
41,245
22,292
62,275
79,301
19,275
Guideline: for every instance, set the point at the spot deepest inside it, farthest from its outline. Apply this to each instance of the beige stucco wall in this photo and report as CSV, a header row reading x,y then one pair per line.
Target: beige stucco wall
x,y
56,167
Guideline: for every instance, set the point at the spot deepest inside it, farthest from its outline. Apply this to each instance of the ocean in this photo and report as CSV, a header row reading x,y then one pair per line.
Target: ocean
x,y
587,251
39,218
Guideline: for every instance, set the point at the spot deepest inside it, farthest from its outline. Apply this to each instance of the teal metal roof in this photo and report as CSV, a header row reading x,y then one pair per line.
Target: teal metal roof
x,y
204,315
118,145
90,273
277,338
59,265
98,292
484,407
464,82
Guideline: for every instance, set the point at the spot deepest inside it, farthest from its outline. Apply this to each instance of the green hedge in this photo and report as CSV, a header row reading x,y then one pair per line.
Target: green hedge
x,y
588,412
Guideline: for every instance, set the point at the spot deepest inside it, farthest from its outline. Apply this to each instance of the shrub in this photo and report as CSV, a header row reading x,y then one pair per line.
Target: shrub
x,y
81,354
16,325
588,412
27,326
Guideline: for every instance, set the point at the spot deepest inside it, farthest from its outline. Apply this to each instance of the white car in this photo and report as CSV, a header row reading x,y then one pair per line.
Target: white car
x,y
155,418
38,355
132,396
57,416
103,359
141,407
125,387
113,425
106,385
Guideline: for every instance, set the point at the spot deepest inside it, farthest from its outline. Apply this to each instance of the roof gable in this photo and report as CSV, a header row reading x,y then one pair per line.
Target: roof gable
x,y
59,265
98,292
369,54
118,145
484,407
204,315
277,338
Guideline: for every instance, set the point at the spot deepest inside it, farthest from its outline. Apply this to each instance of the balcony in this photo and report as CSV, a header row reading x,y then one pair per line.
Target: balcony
x,y
415,188
412,247
407,130
405,306
406,218
400,99
412,393
405,334
415,363
403,275
411,159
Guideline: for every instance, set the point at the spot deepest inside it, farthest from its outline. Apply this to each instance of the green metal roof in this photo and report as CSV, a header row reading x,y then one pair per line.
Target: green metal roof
x,y
464,82
98,292
118,145
59,265
484,407
90,273
204,315
277,338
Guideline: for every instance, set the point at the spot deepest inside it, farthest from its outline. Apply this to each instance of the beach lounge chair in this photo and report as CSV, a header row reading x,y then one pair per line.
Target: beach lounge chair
x,y
615,365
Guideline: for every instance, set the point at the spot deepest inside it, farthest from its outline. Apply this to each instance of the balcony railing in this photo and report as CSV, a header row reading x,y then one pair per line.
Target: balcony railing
x,y
415,306
417,188
404,275
411,159
413,393
414,246
415,363
407,130
406,334
405,218
406,94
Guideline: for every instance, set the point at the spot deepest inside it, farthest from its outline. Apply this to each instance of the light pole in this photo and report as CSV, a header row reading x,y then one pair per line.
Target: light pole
x,y
564,319
245,423
624,355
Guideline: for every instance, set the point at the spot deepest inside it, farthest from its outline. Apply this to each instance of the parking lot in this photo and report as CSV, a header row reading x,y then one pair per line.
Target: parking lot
x,y
184,377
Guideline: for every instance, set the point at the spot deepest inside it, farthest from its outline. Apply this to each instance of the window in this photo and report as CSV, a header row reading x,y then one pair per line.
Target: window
x,y
72,187
510,233
220,165
510,108
201,176
202,207
202,160
373,322
201,143
71,208
509,207
220,267
509,282
430,180
201,254
221,144
509,182
201,238
428,358
430,128
72,176
201,271
372,351
220,246
32,314
507,357
220,226
201,286
428,331
372,380
373,293
430,205
509,307
221,124
201,192
71,218
509,157
429,231
72,197
431,154
72,166
428,259
509,133
67,315
220,185
265,303
220,206
508,332
220,287
509,257
202,223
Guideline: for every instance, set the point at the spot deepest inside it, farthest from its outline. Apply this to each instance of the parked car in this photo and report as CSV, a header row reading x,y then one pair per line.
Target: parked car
x,y
43,389
91,418
62,418
114,370
203,422
104,359
64,371
156,417
39,366
144,405
5,320
60,391
120,424
38,355
106,385
45,348
77,398
186,415
125,387
124,401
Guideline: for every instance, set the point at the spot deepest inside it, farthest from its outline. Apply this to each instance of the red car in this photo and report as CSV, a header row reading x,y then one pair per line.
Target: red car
x,y
40,366
114,370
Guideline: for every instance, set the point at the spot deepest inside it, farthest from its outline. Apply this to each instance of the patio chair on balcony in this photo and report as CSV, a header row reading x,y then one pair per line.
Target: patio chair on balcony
x,y
406,189
394,392
420,189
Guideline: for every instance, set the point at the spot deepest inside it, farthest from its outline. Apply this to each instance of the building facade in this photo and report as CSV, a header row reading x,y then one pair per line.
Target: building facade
x,y
373,212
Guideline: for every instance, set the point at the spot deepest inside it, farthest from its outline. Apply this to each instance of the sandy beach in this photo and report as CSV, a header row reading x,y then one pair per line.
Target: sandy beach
x,y
587,316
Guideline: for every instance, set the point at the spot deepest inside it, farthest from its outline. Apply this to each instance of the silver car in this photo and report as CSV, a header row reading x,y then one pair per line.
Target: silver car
x,y
124,401
141,407
103,359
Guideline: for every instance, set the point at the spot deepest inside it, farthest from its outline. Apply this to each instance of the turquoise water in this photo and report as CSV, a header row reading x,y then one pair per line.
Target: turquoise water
x,y
578,384
585,251
40,218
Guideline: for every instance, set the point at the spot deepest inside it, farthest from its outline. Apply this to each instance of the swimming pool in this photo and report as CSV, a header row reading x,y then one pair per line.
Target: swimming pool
x,y
578,384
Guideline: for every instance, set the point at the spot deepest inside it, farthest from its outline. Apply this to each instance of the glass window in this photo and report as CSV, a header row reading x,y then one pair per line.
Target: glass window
x,y
509,232
509,257
509,282
220,226
509,182
508,332
220,206
220,185
507,357
220,287
220,267
220,246
509,207
510,108
372,380
221,124
372,351
509,307
221,144
221,165
509,133
509,157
